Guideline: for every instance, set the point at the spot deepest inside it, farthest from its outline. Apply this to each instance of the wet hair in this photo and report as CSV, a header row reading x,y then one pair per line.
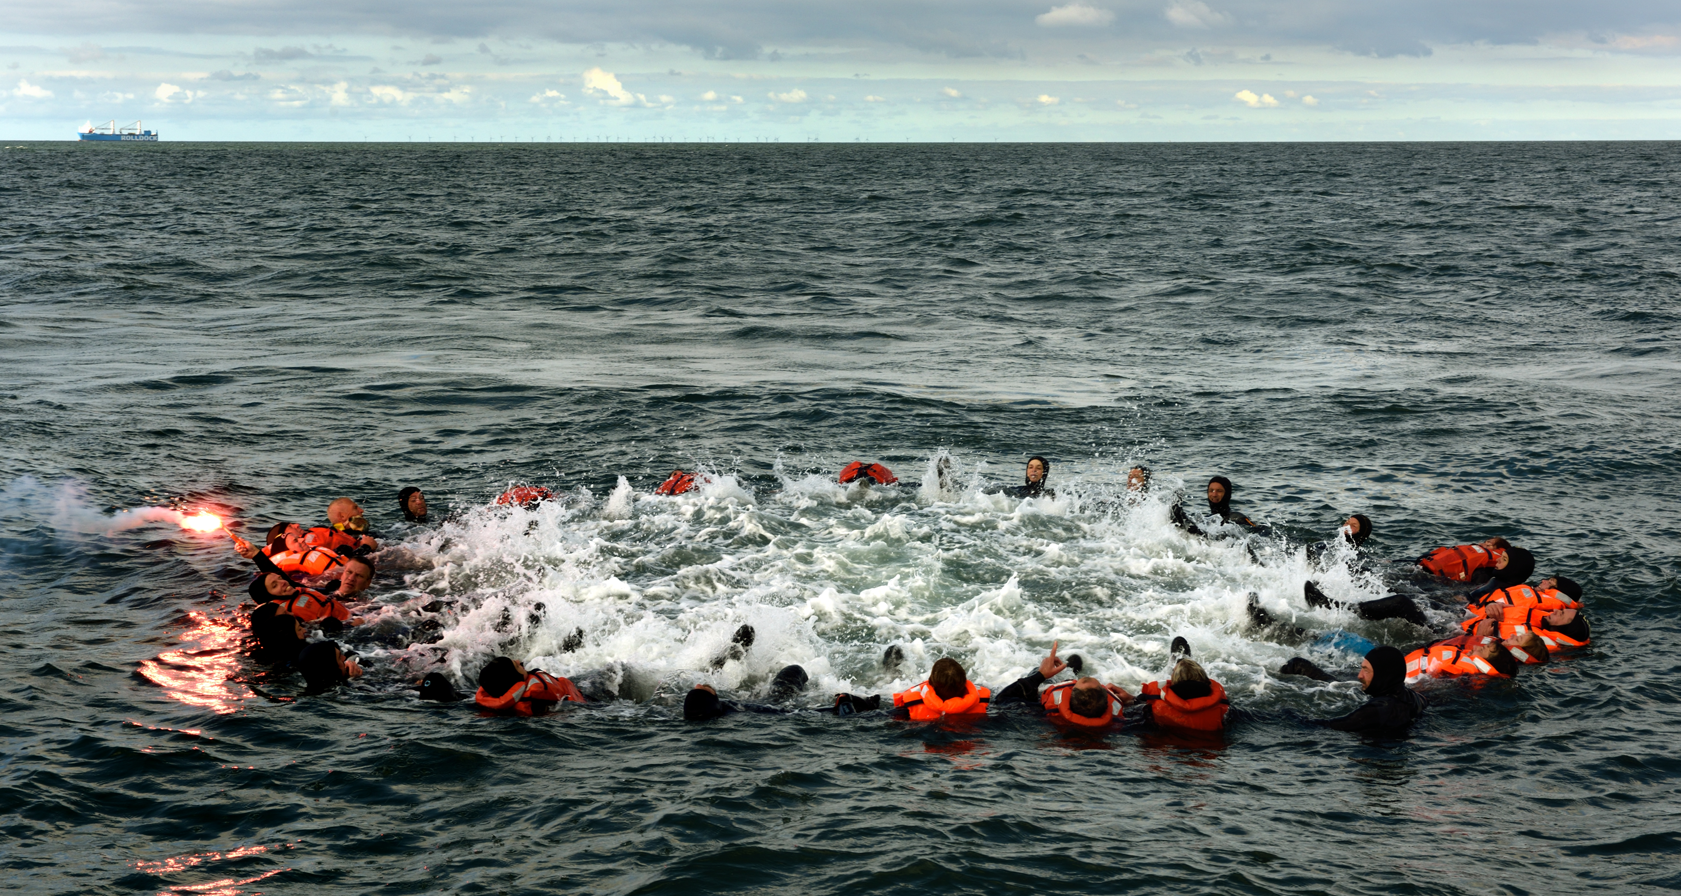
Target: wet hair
x,y
1503,661
1365,529
276,533
276,632
1389,671
1088,702
436,686
1189,680
788,683
403,503
364,559
948,679
1188,670
1520,565
498,676
1042,462
1576,629
1144,475
701,705
1531,643
1500,544
1569,587
319,663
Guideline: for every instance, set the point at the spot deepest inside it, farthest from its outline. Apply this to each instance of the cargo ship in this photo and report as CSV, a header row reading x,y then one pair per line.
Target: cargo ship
x,y
110,132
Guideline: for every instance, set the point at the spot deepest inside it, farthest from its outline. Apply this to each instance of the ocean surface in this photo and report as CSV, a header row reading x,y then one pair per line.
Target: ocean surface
x,y
1458,340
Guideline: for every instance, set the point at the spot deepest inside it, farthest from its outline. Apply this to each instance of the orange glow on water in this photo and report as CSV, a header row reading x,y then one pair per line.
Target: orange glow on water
x,y
199,672
203,521
225,887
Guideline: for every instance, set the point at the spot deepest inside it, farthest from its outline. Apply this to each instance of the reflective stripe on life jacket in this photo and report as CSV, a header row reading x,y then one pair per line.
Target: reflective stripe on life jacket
x,y
1173,711
1056,701
1458,562
926,706
857,470
1558,600
679,483
1447,659
1558,640
329,539
313,562
538,691
313,606
527,496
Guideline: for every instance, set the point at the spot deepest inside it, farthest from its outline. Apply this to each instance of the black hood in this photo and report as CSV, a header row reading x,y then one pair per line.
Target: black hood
x,y
1225,506
1365,529
319,663
1389,672
403,504
1520,565
702,705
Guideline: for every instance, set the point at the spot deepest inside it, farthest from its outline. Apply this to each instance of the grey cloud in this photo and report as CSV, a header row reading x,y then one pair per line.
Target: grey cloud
x,y
225,75
431,59
87,52
284,54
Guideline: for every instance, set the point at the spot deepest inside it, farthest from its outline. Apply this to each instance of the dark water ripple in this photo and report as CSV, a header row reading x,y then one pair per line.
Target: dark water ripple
x,y
1458,339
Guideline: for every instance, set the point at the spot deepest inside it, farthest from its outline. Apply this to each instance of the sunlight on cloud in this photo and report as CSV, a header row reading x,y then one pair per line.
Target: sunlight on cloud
x,y
1248,98
388,94
602,84
1046,99
711,96
30,90
793,96
1309,100
1074,15
872,98
954,94
1194,14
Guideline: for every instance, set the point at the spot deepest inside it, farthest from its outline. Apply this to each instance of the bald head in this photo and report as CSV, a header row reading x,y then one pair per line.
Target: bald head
x,y
342,509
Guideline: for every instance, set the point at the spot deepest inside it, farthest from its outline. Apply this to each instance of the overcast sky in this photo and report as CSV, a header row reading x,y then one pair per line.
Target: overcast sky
x,y
940,70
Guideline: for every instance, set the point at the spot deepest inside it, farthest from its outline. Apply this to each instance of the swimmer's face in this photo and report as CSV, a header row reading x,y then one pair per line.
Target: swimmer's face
x,y
277,586
1216,493
1486,650
1366,674
1561,617
1500,561
1353,527
1035,471
355,579
417,504
1135,478
1548,584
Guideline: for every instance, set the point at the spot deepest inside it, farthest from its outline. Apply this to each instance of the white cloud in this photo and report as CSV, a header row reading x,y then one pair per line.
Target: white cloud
x,y
1046,99
550,97
603,84
27,89
793,96
872,98
711,96
339,94
456,95
1074,15
737,100
388,94
1309,100
1194,14
1248,98
954,94
165,91
1290,93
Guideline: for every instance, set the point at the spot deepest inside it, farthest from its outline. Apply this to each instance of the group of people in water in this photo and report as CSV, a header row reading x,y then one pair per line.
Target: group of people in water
x,y
312,576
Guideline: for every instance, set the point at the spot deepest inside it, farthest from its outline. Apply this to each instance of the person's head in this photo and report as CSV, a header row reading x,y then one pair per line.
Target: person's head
x,y
279,531
275,628
356,576
412,503
702,704
1496,545
343,510
1089,699
948,679
1519,565
1497,656
1530,644
324,666
268,586
1570,622
1219,491
499,675
1037,468
1138,478
1358,529
1188,670
436,686
1383,671
1568,587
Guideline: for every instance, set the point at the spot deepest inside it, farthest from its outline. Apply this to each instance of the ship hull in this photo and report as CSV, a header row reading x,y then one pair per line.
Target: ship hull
x,y
120,138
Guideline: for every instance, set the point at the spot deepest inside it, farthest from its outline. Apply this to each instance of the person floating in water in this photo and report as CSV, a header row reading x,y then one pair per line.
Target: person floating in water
x,y
1390,709
412,504
703,702
1219,507
1038,469
860,472
1083,703
325,666
1466,563
678,483
506,687
1189,700
947,693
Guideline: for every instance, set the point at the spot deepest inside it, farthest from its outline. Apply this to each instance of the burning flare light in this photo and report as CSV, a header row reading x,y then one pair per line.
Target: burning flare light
x,y
203,521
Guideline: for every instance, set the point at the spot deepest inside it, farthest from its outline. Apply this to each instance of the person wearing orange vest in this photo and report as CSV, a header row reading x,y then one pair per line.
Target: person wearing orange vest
x,y
948,693
1084,702
527,496
858,471
506,687
1188,701
1563,629
1512,607
1465,655
1466,562
678,483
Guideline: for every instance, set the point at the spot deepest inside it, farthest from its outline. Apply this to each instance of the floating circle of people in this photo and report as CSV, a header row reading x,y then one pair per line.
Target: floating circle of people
x,y
317,577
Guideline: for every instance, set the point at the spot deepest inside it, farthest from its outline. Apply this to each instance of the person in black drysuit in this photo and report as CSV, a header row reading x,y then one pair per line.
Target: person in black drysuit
x,y
1391,707
703,702
1219,505
1354,532
1038,470
1520,565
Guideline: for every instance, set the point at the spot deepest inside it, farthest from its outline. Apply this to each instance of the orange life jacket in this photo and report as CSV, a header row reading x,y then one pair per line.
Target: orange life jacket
x,y
1173,711
1558,640
857,470
1056,701
1517,616
1459,562
527,496
679,483
313,606
329,538
538,691
926,706
313,562
1557,599
1448,658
